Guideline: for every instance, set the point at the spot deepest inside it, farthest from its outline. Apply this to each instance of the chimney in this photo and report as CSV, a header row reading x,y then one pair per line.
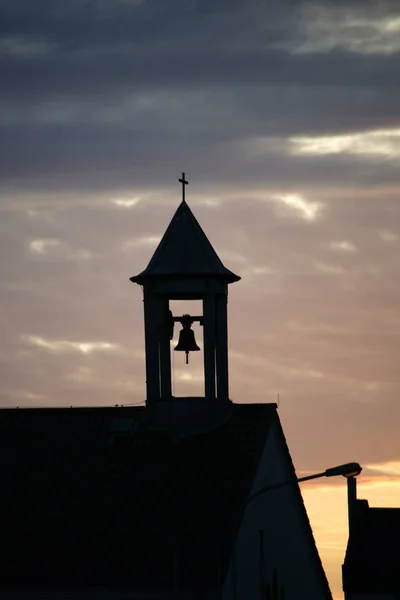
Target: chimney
x,y
351,497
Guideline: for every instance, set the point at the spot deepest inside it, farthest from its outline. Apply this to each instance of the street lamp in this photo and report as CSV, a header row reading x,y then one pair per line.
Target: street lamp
x,y
348,470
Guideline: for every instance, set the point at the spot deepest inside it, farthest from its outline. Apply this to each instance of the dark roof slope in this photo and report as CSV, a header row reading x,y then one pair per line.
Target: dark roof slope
x,y
372,561
83,502
185,250
307,525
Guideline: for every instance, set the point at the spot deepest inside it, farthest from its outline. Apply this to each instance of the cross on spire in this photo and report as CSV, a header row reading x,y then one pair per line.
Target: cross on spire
x,y
184,182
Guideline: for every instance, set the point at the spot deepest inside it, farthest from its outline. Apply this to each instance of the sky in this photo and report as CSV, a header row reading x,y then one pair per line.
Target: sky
x,y
284,116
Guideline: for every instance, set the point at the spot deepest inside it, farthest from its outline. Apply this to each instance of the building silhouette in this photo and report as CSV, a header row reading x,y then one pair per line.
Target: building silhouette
x,y
156,501
371,568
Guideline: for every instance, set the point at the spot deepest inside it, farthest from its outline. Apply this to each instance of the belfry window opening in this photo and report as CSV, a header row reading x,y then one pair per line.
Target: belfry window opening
x,y
187,362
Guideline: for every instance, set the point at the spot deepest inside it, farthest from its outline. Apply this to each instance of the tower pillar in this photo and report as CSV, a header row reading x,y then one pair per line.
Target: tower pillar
x,y
151,329
209,344
165,350
222,347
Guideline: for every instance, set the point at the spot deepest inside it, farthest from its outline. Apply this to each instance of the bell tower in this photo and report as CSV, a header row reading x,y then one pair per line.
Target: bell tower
x,y
185,266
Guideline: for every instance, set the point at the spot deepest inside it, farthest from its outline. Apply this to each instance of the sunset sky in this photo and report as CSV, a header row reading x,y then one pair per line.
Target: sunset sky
x,y
285,117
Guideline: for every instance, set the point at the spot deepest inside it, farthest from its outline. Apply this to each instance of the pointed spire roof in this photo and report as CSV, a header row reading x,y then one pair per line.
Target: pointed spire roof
x,y
185,250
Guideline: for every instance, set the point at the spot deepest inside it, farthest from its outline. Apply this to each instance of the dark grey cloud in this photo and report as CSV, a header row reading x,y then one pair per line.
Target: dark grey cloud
x,y
112,72
96,94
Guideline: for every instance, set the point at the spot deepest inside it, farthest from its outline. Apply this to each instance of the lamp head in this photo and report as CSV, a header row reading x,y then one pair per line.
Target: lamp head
x,y
347,470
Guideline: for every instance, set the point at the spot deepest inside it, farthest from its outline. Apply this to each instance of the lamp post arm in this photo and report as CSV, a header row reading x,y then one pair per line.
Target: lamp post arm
x,y
307,477
348,470
282,484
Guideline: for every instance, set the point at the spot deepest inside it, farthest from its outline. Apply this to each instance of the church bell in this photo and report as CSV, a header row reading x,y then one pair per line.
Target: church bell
x,y
187,341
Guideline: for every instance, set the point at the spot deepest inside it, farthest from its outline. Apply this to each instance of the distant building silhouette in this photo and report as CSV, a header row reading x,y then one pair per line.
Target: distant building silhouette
x,y
155,502
371,569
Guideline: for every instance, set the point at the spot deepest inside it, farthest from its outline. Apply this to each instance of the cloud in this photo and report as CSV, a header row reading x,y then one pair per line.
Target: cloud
x,y
68,346
57,250
329,268
390,468
145,241
143,106
83,375
380,143
188,377
20,46
361,28
342,246
388,237
307,210
125,202
42,246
